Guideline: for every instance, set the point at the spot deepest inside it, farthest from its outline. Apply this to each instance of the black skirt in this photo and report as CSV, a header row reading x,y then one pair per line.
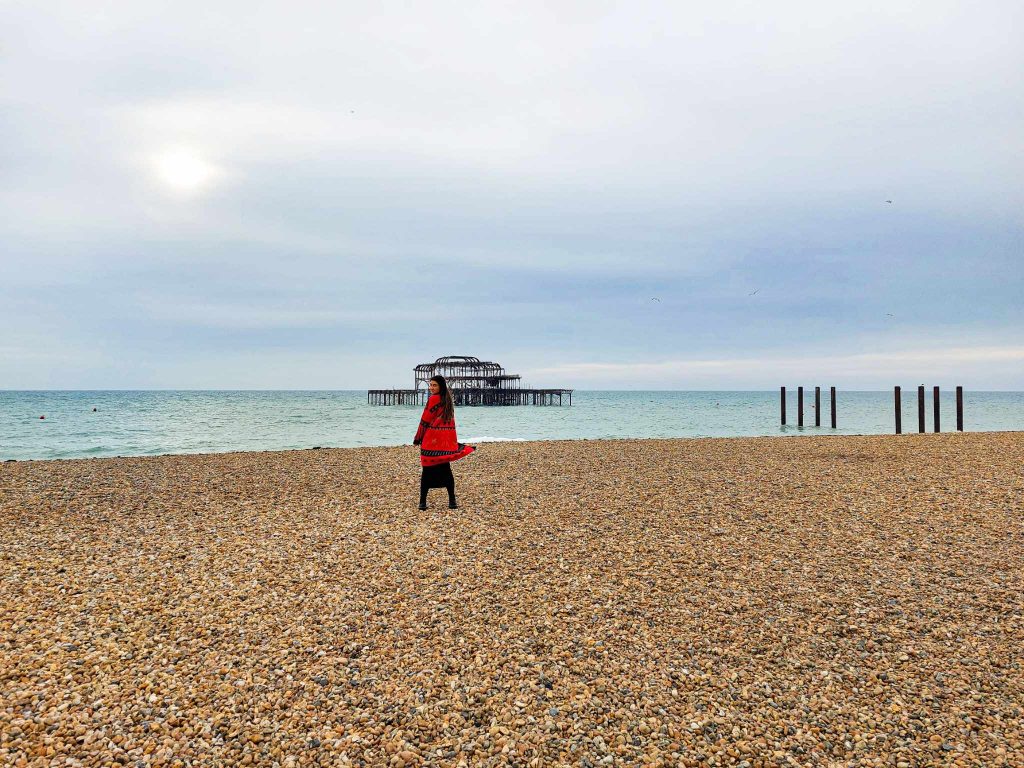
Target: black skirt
x,y
438,476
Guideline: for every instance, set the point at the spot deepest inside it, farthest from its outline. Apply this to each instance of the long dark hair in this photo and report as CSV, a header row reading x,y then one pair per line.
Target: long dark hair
x,y
447,404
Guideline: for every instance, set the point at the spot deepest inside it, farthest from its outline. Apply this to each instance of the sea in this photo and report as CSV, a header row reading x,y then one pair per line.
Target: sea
x,y
87,424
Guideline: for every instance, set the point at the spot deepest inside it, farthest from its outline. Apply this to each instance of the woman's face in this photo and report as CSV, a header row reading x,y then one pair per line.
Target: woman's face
x,y
435,388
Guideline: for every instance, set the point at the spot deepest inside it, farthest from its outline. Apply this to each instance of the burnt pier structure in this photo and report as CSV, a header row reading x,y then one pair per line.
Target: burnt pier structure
x,y
472,381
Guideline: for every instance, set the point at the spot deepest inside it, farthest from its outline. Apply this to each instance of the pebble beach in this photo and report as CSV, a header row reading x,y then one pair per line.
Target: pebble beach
x,y
792,601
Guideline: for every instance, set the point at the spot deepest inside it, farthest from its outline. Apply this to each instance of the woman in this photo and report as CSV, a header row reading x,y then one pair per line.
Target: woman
x,y
439,445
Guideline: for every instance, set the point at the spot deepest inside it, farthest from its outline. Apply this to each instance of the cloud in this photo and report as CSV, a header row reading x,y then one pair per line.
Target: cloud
x,y
875,369
252,318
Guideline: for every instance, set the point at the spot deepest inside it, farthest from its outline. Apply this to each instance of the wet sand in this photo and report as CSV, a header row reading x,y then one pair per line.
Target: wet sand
x,y
808,601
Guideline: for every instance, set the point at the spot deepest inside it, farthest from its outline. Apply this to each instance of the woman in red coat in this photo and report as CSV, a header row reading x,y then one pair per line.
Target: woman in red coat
x,y
439,445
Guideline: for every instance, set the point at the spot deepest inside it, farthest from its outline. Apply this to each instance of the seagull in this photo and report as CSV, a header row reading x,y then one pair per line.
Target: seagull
x,y
751,294
888,201
889,314
654,298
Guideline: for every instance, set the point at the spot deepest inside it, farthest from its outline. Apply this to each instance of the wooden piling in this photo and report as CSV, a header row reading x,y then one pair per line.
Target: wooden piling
x,y
920,408
935,407
832,397
959,409
799,406
899,411
817,406
783,403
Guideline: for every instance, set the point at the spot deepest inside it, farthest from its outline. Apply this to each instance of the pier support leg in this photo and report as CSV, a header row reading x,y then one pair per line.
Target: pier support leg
x,y
899,410
959,409
920,408
817,406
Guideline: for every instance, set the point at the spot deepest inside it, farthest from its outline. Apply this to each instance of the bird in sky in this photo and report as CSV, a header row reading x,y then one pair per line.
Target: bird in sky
x,y
889,314
751,294
888,201
654,298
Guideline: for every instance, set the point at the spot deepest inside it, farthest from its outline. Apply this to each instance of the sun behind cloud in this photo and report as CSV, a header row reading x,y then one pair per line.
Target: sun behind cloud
x,y
184,170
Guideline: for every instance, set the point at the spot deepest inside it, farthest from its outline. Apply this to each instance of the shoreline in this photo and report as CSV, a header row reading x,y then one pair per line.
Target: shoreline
x,y
526,442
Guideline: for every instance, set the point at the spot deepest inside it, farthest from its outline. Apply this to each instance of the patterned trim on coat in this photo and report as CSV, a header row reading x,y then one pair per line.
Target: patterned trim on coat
x,y
441,453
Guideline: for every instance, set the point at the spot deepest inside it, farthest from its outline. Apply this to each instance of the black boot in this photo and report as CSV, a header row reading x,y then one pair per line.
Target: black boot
x,y
451,496
423,495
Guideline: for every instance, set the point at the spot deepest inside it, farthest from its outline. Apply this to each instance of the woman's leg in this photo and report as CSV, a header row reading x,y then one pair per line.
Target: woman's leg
x,y
450,485
423,491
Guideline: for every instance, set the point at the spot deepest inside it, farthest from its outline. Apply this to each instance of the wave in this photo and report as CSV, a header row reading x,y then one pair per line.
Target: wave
x,y
486,439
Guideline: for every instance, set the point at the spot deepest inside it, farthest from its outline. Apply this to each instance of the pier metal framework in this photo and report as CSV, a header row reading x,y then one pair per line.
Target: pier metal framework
x,y
472,381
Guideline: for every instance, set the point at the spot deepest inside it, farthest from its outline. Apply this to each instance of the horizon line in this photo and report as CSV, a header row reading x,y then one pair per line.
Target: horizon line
x,y
230,389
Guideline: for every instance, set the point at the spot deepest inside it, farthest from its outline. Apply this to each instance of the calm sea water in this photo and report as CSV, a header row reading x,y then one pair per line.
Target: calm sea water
x,y
132,423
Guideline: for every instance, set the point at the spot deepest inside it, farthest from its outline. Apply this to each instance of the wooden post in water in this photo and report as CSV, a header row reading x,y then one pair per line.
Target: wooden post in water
x,y
799,406
899,411
959,409
920,408
935,407
783,406
832,397
817,406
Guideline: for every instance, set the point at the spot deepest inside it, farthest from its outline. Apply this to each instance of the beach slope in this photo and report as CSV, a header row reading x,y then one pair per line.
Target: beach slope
x,y
802,601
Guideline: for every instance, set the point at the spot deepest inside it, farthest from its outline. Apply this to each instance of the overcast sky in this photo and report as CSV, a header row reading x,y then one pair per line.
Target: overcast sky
x,y
320,196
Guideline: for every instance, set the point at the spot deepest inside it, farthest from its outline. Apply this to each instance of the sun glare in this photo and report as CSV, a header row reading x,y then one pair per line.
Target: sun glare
x,y
183,170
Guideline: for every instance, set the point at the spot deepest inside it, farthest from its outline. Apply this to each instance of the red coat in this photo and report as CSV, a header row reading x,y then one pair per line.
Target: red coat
x,y
436,438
